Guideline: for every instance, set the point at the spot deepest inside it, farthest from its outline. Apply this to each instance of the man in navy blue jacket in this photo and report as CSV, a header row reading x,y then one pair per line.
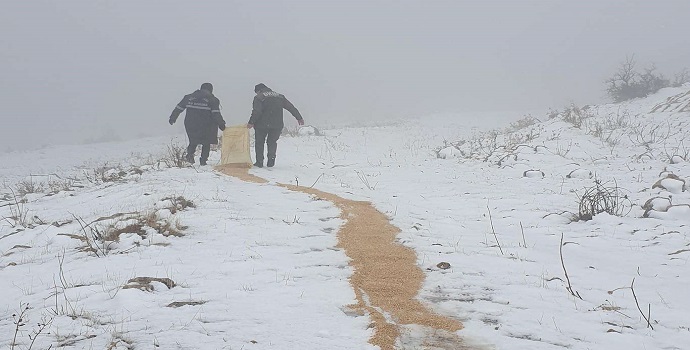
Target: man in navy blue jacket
x,y
201,121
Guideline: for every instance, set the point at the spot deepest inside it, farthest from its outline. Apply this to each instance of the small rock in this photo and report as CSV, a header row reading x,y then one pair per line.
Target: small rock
x,y
533,174
677,159
443,265
144,283
671,183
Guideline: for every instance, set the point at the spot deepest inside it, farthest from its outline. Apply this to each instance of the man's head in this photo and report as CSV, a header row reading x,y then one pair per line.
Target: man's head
x,y
261,87
207,86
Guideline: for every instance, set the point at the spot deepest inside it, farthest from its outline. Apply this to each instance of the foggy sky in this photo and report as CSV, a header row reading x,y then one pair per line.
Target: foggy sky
x,y
85,69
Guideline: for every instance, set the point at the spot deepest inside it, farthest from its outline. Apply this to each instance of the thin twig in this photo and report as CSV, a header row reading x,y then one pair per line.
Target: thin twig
x,y
493,230
19,322
41,327
95,236
317,180
524,243
649,312
363,177
570,286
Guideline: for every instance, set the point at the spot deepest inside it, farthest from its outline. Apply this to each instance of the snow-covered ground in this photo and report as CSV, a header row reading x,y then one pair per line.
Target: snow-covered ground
x,y
255,265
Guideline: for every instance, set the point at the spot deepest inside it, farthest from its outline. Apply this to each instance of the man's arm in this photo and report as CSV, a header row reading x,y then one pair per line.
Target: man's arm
x,y
178,109
293,110
257,110
215,114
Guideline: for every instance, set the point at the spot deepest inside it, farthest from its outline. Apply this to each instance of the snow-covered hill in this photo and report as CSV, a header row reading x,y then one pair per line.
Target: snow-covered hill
x,y
239,265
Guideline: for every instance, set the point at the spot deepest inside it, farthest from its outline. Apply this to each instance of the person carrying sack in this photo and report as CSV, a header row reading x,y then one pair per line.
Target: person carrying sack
x,y
267,121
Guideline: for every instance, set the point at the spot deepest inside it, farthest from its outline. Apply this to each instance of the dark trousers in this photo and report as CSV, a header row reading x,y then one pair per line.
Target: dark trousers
x,y
269,137
205,150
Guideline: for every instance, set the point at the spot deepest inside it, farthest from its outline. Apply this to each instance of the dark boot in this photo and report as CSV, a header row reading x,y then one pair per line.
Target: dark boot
x,y
259,142
190,153
272,142
205,150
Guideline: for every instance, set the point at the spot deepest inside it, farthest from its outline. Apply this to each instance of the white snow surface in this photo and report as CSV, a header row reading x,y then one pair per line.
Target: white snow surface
x,y
259,264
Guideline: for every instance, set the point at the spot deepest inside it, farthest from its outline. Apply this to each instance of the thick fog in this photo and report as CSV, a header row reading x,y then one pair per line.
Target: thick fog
x,y
81,70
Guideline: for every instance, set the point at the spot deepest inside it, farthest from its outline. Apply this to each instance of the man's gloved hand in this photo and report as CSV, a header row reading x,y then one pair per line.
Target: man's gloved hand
x,y
221,127
249,126
300,122
171,121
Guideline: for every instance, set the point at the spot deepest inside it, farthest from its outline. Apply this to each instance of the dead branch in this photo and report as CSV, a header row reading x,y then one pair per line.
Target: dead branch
x,y
569,288
649,308
493,230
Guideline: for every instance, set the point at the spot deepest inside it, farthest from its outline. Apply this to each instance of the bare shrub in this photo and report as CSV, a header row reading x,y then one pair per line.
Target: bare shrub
x,y
492,145
485,144
652,81
563,150
618,121
603,198
179,203
647,135
596,129
105,174
628,83
119,341
93,237
523,123
112,234
21,320
512,140
29,186
552,113
175,156
446,144
140,223
677,154
59,185
622,85
682,77
611,129
99,238
19,213
575,115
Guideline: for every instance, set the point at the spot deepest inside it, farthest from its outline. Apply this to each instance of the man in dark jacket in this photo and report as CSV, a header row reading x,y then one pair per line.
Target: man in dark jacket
x,y
267,121
202,118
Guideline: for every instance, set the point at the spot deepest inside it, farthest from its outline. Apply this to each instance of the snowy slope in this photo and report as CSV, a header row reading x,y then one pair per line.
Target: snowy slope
x,y
258,267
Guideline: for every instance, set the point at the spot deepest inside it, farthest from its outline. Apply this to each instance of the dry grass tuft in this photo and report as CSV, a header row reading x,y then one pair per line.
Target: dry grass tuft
x,y
179,203
602,198
177,304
